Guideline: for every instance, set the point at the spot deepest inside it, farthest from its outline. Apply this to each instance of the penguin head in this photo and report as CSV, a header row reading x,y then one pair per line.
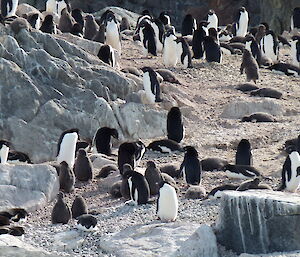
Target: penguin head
x,y
19,213
227,167
267,27
291,148
212,32
170,31
89,17
111,17
48,19
146,69
151,164
114,133
203,23
242,9
211,12
63,164
127,171
81,152
244,143
295,38
246,53
146,12
256,181
190,151
4,142
60,195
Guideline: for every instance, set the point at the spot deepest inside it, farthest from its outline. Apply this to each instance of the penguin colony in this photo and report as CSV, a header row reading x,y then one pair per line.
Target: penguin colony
x,y
156,36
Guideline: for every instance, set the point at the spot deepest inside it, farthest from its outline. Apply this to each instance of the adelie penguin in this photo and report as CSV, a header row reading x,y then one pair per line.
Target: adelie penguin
x,y
198,40
67,146
66,178
83,168
241,171
112,33
164,17
86,222
147,37
212,18
250,66
285,68
184,53
269,46
34,20
9,7
253,47
212,50
4,150
217,191
243,154
56,6
290,179
241,22
295,19
61,212
138,186
151,85
295,51
106,54
170,57
191,166
78,17
175,128
188,26
102,139
153,177
164,146
167,203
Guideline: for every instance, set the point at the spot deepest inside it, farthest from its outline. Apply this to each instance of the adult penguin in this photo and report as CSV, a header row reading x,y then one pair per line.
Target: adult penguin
x,y
295,50
198,40
4,150
269,46
66,178
243,154
241,22
112,33
212,50
102,139
48,25
61,212
151,85
290,179
170,57
191,166
175,129
83,168
138,186
188,26
241,171
153,177
9,8
164,17
253,47
56,6
34,20
147,37
212,20
129,152
66,146
167,202
106,54
184,53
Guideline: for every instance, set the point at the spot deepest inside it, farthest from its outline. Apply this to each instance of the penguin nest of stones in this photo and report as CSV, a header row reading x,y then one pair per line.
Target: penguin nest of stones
x,y
18,24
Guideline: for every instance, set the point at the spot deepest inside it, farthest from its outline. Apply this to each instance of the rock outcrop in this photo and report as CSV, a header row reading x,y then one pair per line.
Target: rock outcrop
x,y
257,221
27,186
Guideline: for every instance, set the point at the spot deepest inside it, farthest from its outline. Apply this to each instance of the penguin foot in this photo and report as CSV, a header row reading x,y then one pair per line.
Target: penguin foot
x,y
131,203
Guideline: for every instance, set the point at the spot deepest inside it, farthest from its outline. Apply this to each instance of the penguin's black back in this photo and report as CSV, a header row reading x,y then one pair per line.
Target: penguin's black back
x,y
187,27
197,43
149,39
296,17
243,154
212,50
140,183
104,54
175,125
126,154
102,139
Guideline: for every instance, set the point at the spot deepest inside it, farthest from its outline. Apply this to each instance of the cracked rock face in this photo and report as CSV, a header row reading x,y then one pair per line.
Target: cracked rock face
x,y
257,221
50,83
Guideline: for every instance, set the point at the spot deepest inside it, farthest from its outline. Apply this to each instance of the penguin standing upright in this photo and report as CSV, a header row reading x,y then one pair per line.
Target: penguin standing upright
x,y
241,22
212,18
56,6
67,146
151,85
170,56
66,21
83,168
126,154
198,40
66,178
78,17
90,27
153,177
250,66
159,32
164,17
212,50
48,25
253,47
290,179
167,202
61,212
147,37
269,46
191,166
295,51
79,207
112,33
188,26
4,149
138,185
9,8
295,19
102,139
243,154
184,52
175,129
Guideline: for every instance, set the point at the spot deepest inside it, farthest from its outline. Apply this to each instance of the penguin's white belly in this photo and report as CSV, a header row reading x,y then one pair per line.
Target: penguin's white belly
x,y
170,57
243,25
167,204
213,22
130,187
230,174
267,48
294,54
67,149
224,38
112,36
179,51
293,184
4,154
147,88
51,6
159,45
